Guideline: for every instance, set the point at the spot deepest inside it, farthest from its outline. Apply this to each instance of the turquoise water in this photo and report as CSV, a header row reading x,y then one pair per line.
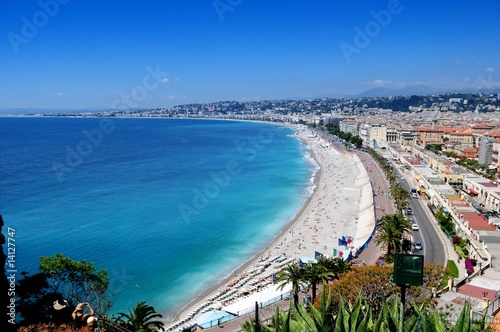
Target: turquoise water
x,y
168,206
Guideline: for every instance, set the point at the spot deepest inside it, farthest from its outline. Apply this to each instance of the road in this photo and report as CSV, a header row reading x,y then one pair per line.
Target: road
x,y
434,250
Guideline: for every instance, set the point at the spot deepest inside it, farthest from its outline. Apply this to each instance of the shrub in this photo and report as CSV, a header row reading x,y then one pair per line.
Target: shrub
x,y
41,327
460,251
468,266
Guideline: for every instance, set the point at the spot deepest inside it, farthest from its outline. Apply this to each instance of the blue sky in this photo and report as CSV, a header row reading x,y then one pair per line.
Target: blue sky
x,y
74,54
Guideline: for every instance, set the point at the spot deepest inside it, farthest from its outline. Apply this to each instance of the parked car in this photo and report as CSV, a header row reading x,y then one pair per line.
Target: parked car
x,y
414,227
418,245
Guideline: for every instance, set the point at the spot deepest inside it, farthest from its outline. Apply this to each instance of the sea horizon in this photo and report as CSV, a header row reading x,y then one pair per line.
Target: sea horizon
x,y
169,208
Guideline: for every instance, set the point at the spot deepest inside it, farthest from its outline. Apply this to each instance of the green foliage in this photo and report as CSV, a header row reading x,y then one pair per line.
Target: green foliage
x,y
445,220
335,130
462,252
392,228
436,148
291,274
76,281
314,274
474,166
310,275
359,317
60,276
336,265
450,154
143,318
398,192
453,268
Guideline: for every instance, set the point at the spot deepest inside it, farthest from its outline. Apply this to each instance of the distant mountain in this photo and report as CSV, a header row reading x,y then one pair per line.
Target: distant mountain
x,y
409,90
420,90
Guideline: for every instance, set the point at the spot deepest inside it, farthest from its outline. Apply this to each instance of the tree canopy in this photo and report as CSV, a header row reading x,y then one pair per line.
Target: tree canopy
x,y
61,277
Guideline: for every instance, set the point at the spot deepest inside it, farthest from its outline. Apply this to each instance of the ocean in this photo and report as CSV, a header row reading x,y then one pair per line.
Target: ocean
x,y
169,207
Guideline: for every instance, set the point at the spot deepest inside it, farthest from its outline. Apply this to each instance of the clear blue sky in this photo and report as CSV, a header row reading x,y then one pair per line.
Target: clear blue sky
x,y
96,54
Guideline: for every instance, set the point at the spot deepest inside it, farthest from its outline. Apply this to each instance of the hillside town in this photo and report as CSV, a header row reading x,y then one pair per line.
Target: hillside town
x,y
445,146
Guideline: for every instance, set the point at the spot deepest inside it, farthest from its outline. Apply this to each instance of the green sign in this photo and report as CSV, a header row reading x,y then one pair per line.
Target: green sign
x,y
408,270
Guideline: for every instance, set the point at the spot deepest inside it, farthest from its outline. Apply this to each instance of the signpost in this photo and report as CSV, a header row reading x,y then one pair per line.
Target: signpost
x,y
408,271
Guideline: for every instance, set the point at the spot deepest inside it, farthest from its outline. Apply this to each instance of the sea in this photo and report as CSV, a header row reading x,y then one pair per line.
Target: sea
x,y
169,207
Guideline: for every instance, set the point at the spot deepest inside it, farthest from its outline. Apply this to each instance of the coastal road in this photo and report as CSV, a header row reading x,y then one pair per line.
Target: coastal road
x,y
434,250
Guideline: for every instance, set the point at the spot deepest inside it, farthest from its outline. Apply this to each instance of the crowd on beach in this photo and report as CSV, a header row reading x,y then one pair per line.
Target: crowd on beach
x,y
332,212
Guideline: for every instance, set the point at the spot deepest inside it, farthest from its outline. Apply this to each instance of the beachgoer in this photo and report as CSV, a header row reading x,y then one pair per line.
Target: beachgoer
x,y
79,317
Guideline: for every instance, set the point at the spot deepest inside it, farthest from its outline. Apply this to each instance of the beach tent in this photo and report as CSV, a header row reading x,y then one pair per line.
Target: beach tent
x,y
213,318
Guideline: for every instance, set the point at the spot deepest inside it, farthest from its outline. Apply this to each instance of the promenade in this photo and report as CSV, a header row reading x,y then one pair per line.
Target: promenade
x,y
370,255
383,204
341,206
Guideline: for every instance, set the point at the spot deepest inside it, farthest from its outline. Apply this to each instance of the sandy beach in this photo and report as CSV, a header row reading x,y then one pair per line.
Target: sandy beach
x,y
341,207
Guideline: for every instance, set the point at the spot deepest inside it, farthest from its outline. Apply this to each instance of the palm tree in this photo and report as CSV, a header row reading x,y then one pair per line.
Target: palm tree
x,y
401,204
291,274
336,265
141,319
398,192
391,177
315,273
392,228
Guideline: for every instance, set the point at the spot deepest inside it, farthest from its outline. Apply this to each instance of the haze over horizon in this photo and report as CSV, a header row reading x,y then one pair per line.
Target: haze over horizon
x,y
61,54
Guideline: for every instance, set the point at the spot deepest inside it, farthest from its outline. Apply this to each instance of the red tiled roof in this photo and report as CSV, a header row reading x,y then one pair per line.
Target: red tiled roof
x,y
477,292
477,221
448,129
495,133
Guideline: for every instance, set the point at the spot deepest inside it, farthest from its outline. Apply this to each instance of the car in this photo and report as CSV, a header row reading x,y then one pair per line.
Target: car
x,y
418,245
414,227
409,211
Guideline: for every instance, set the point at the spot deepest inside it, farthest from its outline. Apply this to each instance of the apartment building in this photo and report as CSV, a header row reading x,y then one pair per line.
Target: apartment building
x,y
427,135
485,151
349,126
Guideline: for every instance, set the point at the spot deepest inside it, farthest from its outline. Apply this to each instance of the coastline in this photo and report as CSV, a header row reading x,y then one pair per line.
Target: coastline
x,y
316,227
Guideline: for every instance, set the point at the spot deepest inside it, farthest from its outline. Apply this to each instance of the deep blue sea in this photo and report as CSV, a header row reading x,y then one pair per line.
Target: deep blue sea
x,y
168,206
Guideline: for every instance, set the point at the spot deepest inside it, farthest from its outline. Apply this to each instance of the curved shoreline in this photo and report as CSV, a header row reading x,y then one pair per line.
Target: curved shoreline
x,y
251,260
321,205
